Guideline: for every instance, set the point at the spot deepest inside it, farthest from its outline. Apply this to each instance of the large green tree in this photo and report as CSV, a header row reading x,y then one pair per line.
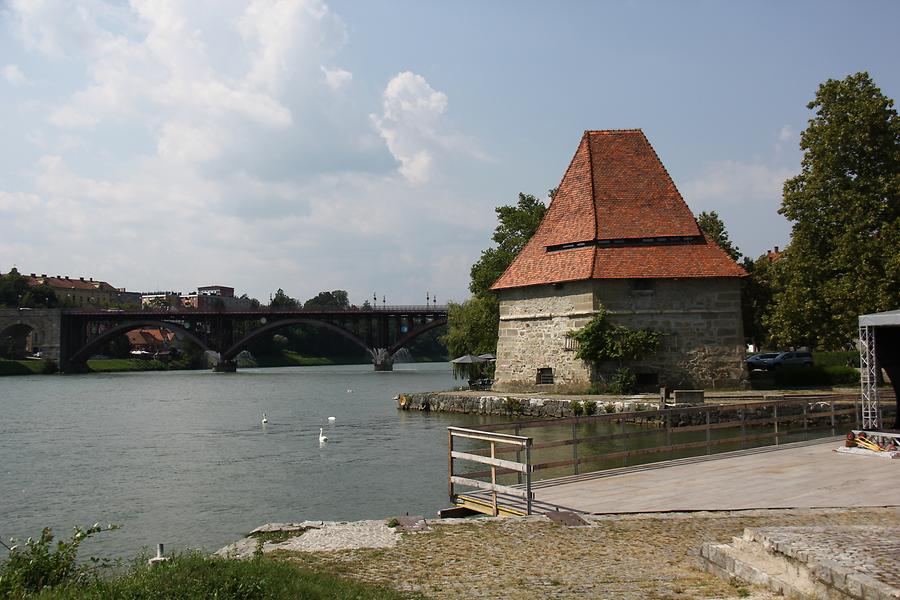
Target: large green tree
x,y
843,259
712,225
334,300
473,324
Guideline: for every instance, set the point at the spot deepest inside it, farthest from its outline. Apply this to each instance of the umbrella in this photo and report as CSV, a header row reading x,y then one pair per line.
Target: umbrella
x,y
488,357
468,359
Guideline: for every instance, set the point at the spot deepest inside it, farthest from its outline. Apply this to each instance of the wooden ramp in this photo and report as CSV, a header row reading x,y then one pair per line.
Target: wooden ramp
x,y
799,475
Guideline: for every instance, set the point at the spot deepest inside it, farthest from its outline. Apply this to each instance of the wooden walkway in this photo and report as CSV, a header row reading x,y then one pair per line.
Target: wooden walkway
x,y
801,475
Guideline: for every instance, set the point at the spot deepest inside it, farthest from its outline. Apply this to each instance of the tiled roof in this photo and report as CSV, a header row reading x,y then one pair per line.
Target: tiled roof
x,y
616,188
68,283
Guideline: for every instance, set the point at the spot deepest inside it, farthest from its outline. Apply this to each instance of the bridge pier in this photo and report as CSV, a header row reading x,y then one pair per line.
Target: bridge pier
x,y
383,359
225,366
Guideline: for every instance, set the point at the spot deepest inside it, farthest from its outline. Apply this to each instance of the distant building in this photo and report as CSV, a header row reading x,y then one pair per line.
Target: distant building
x,y
160,299
83,292
619,235
215,297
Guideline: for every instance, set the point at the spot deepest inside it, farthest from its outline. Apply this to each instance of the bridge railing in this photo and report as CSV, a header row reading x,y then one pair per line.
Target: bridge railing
x,y
262,310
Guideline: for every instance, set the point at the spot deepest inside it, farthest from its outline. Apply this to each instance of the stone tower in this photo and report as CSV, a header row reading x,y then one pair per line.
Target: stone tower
x,y
618,234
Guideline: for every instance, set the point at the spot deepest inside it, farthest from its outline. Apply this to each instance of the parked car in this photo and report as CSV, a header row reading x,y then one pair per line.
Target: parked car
x,y
772,360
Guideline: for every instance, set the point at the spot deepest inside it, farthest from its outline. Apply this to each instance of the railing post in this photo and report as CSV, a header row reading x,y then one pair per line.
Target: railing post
x,y
450,464
575,447
805,433
708,447
743,427
775,420
494,479
528,475
624,442
518,456
831,405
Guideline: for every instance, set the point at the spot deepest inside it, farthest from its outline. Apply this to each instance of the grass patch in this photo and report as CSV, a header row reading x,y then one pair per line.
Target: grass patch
x,y
197,576
20,367
114,365
814,376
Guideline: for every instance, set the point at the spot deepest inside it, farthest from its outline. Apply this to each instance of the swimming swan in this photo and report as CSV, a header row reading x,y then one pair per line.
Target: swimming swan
x,y
322,438
265,419
331,419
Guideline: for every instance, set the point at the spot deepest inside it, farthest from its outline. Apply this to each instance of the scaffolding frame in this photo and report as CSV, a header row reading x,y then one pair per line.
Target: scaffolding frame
x,y
868,379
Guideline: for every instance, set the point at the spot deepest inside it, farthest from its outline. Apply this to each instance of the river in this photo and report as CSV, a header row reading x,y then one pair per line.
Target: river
x,y
182,458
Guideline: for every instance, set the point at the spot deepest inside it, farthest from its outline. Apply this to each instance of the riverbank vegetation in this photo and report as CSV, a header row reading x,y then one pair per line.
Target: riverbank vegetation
x,y
45,568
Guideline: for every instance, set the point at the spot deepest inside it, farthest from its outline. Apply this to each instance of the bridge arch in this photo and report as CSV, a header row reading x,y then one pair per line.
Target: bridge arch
x,y
82,354
411,335
236,348
42,323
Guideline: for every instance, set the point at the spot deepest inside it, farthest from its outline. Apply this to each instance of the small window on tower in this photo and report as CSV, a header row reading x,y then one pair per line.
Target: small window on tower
x,y
545,375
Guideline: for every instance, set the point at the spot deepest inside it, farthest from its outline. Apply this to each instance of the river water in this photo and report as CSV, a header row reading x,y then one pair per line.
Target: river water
x,y
182,458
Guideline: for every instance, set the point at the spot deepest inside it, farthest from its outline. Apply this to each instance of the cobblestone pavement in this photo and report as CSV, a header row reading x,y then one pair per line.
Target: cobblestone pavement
x,y
627,556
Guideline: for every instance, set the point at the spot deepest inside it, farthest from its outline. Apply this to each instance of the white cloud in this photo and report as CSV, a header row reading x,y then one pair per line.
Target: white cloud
x,y
202,118
408,124
14,75
733,182
336,78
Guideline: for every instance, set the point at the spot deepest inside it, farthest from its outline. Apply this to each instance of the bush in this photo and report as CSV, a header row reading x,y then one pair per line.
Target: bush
x,y
577,407
609,407
841,358
815,375
590,407
40,565
623,382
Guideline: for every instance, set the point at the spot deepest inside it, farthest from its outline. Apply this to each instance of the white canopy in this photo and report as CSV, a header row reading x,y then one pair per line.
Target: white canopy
x,y
891,317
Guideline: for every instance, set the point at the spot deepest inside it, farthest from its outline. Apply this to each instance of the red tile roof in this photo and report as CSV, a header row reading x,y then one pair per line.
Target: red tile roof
x,y
614,195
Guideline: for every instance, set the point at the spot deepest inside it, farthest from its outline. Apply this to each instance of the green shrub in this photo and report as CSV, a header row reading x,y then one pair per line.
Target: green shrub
x,y
590,407
512,405
43,564
577,408
841,358
609,407
623,382
815,375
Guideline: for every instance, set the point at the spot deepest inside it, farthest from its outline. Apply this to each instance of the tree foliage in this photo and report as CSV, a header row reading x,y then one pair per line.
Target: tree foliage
x,y
756,298
516,226
601,341
712,225
282,300
334,300
15,291
845,208
473,325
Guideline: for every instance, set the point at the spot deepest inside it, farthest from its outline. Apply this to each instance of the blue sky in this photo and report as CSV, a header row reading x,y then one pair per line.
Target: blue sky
x,y
316,145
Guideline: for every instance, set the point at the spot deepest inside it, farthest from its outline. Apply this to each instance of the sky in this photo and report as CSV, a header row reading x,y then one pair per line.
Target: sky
x,y
310,145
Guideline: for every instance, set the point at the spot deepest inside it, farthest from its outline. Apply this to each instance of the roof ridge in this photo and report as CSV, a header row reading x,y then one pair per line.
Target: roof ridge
x,y
626,130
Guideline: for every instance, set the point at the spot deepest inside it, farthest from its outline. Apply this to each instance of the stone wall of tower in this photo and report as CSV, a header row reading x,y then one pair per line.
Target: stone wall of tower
x,y
700,319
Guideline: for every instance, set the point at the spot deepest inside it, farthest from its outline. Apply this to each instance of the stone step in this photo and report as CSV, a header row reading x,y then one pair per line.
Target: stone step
x,y
828,563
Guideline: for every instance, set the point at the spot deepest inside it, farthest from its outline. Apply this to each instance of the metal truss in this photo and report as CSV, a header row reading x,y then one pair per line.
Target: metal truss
x,y
868,372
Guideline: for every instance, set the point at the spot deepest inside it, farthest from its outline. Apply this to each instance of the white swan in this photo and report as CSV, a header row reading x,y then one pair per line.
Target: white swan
x,y
322,438
332,419
265,419
349,391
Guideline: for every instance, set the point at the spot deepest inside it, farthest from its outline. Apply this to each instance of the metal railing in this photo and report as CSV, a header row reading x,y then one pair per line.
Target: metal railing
x,y
519,445
572,446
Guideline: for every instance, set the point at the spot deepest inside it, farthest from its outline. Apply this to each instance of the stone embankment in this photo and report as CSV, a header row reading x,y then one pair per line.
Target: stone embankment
x,y
487,403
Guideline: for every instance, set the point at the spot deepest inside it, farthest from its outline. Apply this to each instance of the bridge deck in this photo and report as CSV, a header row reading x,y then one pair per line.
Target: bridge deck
x,y
802,475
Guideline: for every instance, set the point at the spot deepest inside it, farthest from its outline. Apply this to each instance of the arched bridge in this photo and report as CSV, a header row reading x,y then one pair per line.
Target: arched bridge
x,y
80,333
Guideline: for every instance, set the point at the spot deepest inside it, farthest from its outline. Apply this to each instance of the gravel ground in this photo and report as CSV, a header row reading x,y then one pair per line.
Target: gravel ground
x,y
629,556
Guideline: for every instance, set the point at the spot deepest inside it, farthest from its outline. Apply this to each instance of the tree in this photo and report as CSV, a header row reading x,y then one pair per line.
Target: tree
x,y
13,288
756,298
40,296
282,300
845,207
335,300
714,228
517,224
473,325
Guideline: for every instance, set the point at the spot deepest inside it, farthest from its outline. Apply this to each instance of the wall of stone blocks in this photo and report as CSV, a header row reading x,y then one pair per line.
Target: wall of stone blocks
x,y
534,322
700,319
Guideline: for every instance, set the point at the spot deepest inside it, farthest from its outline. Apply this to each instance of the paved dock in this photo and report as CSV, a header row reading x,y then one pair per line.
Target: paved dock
x,y
796,476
